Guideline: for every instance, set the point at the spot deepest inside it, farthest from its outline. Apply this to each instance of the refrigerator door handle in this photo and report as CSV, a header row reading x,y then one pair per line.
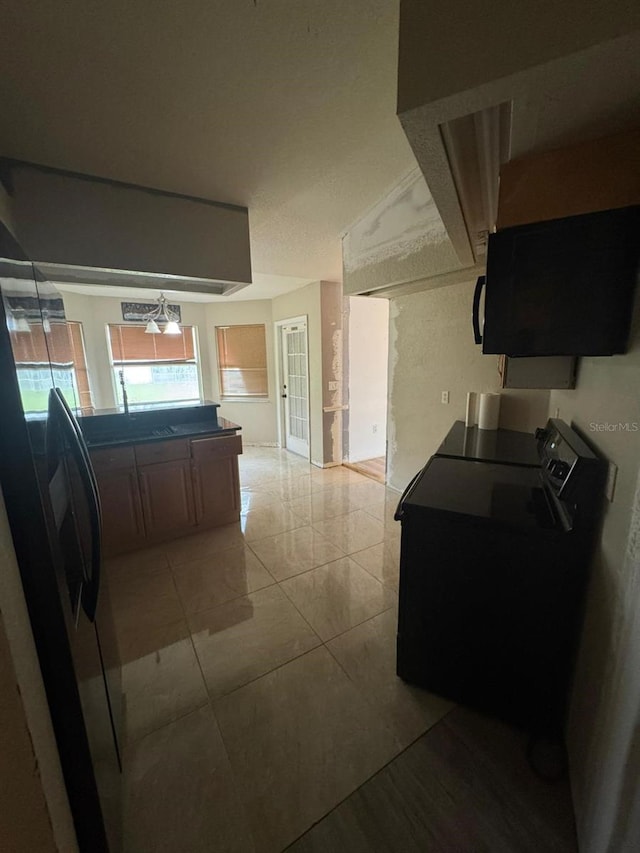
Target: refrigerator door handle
x,y
59,409
397,516
477,334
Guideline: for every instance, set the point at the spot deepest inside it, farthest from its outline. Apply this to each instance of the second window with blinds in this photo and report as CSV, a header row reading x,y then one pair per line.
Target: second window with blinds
x,y
156,368
242,362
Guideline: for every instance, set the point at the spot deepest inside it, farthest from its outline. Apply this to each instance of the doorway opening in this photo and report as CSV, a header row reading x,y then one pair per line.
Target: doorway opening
x,y
366,320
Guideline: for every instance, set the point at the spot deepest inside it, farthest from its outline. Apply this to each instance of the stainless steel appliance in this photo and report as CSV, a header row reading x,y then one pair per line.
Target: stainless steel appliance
x,y
493,568
54,513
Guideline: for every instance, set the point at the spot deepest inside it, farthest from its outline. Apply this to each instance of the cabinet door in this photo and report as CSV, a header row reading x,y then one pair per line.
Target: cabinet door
x,y
217,490
122,523
167,497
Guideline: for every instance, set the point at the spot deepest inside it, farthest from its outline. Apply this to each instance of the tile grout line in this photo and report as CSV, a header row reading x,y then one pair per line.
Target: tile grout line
x,y
366,781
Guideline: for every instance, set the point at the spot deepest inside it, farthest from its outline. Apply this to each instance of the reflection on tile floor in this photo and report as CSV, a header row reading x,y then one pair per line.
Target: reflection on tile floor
x,y
258,663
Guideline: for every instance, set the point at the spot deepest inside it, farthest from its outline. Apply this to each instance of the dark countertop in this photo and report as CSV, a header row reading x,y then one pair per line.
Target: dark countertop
x,y
137,408
506,446
109,428
223,427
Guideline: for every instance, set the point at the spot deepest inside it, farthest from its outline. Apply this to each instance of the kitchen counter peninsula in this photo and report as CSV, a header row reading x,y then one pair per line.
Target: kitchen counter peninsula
x,y
163,472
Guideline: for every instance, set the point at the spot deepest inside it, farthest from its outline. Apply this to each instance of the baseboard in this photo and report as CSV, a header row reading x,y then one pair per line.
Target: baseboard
x,y
260,443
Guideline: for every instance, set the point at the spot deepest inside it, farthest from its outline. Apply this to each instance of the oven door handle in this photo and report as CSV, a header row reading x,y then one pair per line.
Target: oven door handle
x,y
397,516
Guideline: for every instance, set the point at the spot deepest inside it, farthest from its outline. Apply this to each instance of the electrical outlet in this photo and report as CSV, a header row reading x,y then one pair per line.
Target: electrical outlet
x,y
374,428
610,487
333,386
557,414
444,397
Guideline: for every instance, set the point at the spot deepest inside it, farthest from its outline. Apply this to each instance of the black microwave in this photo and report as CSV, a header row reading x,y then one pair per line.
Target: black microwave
x,y
561,287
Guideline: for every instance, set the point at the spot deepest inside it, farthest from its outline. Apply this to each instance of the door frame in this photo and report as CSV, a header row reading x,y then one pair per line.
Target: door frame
x,y
277,337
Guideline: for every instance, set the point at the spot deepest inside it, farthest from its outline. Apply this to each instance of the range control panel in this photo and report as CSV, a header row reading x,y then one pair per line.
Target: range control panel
x,y
565,459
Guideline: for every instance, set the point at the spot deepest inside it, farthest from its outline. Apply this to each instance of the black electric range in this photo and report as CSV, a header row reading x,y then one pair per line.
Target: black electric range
x,y
506,446
493,569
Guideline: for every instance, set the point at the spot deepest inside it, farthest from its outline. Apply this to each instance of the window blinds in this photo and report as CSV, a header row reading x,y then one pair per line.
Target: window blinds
x,y
242,361
131,343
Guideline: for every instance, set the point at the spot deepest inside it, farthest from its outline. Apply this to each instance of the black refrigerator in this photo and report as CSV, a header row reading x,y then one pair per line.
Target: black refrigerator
x,y
53,509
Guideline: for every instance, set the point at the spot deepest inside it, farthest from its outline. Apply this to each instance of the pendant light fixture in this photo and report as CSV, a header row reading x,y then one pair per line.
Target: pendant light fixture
x,y
162,314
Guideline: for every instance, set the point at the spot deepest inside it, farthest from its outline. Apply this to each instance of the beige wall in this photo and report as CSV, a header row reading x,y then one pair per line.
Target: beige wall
x,y
604,731
431,350
257,418
331,319
94,312
368,358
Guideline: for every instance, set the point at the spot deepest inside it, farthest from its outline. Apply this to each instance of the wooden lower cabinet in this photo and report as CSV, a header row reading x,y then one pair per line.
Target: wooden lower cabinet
x,y
216,489
215,479
122,522
167,497
155,492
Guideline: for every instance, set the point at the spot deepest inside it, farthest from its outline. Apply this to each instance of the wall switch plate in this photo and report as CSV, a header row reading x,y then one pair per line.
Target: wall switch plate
x,y
610,487
444,398
333,386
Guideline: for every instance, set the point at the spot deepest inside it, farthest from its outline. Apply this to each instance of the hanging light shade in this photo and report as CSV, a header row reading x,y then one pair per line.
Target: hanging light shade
x,y
20,322
161,314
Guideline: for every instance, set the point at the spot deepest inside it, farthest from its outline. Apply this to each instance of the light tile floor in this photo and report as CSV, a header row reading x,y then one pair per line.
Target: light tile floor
x,y
259,663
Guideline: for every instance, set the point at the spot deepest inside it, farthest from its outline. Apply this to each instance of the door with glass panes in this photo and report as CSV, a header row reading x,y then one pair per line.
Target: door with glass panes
x,y
295,387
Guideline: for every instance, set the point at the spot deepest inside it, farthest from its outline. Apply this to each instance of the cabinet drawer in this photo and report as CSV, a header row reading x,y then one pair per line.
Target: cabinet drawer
x,y
111,458
162,451
216,447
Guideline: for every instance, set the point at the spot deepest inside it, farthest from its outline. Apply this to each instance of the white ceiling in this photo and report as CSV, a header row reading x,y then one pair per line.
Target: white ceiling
x,y
285,107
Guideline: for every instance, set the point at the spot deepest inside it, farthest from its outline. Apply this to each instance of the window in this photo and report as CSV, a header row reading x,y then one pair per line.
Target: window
x,y
58,353
85,401
156,368
242,361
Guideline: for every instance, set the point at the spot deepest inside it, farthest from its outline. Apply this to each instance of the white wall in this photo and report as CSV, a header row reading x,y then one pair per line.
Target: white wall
x,y
368,356
431,350
604,730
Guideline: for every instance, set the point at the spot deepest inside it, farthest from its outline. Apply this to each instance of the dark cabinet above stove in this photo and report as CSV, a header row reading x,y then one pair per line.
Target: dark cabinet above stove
x,y
561,287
